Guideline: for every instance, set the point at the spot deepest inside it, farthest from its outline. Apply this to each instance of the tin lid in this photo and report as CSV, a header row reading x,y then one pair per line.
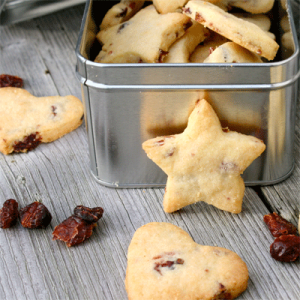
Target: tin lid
x,y
13,11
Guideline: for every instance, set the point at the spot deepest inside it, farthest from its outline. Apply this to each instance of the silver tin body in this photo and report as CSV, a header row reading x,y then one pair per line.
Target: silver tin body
x,y
13,11
126,104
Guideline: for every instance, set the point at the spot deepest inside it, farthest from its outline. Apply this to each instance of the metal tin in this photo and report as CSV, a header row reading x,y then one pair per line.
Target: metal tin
x,y
126,104
13,11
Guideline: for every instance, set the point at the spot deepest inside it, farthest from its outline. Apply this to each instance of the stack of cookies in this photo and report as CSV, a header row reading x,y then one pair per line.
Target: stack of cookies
x,y
184,31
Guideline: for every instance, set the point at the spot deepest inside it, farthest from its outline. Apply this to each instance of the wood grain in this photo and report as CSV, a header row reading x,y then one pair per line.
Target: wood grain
x,y
32,266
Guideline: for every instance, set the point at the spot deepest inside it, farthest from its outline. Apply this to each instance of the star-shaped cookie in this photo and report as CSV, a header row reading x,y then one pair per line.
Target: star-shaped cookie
x,y
146,37
204,162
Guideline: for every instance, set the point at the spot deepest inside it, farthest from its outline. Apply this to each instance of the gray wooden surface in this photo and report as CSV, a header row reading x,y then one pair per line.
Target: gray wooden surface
x,y
32,266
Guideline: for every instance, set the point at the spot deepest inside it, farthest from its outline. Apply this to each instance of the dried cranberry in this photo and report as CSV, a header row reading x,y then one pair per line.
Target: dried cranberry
x,y
35,215
278,225
187,10
166,261
187,25
91,215
199,18
54,110
132,5
9,213
122,13
29,142
73,231
286,248
10,81
162,55
222,294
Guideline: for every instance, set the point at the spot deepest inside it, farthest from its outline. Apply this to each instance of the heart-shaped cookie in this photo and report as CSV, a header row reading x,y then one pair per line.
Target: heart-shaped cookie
x,y
26,120
165,263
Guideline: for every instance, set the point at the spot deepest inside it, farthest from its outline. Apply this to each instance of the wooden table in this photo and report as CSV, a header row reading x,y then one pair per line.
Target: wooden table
x,y
32,266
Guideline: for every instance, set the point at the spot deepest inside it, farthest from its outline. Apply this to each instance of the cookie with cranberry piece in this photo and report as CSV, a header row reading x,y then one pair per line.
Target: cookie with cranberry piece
x,y
204,163
182,49
164,262
287,41
285,23
243,33
121,12
166,6
261,20
232,53
26,120
204,49
146,37
252,6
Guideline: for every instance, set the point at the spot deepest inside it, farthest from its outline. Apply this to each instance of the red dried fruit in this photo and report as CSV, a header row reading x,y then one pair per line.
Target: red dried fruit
x,y
187,10
132,5
286,248
187,25
29,142
199,18
166,261
223,294
73,231
9,213
91,215
35,216
122,13
278,225
162,55
54,110
10,81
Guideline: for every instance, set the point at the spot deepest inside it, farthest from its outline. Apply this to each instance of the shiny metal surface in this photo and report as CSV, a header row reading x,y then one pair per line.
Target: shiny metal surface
x,y
2,4
127,104
13,11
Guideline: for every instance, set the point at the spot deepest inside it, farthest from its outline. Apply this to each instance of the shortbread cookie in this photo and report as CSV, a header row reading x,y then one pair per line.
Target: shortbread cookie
x,y
146,37
121,12
285,23
244,33
287,40
253,6
166,6
260,20
204,163
165,263
181,50
283,4
26,121
203,50
232,53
